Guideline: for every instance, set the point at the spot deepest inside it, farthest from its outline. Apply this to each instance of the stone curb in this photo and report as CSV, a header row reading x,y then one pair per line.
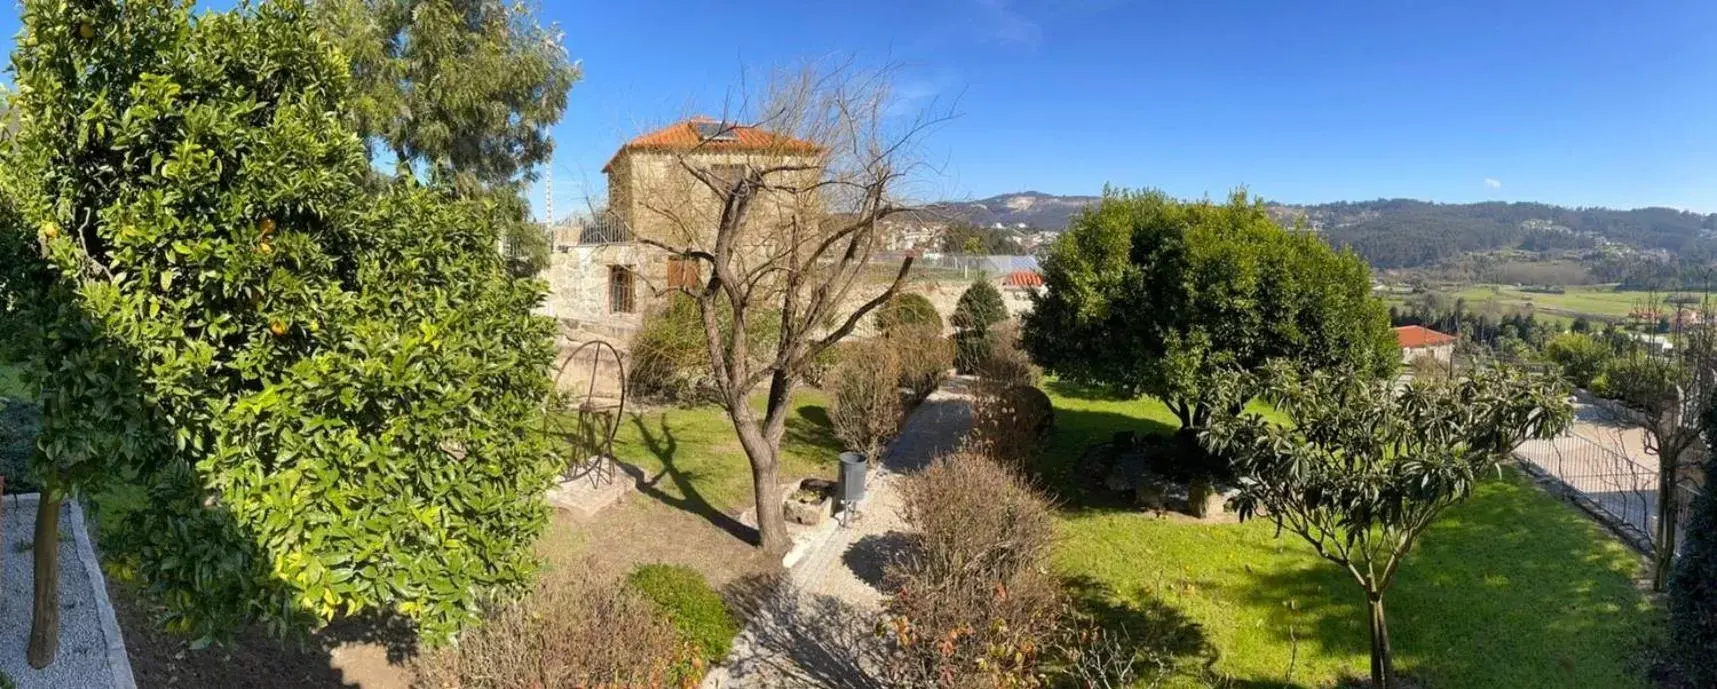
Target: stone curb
x,y
118,661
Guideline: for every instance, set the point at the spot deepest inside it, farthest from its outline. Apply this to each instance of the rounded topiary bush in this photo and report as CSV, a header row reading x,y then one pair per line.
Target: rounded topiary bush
x,y
908,309
979,307
696,610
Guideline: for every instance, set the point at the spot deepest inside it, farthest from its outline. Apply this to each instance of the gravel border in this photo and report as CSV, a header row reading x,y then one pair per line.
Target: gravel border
x,y
80,563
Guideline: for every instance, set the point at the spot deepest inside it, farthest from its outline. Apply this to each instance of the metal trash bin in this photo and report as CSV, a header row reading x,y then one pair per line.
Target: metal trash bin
x,y
853,468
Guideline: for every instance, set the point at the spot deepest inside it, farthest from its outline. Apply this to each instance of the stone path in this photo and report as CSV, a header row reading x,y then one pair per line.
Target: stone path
x,y
815,628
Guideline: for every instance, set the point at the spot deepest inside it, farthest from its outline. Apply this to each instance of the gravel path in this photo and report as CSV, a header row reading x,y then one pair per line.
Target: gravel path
x,y
813,629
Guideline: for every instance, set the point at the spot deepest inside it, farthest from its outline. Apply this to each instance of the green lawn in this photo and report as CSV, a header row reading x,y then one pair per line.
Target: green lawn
x,y
1511,589
698,456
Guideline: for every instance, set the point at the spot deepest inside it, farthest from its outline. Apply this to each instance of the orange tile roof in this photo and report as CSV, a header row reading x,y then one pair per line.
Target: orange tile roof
x,y
684,136
1024,278
1415,336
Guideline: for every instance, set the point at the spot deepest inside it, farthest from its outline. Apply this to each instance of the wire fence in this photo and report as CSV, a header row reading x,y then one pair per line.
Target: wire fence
x,y
1618,489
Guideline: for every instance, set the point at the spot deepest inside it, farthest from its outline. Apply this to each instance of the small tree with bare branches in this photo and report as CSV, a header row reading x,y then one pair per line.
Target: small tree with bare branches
x,y
781,209
1669,386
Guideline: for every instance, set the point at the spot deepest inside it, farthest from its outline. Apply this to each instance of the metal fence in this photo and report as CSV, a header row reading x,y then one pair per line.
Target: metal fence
x,y
1620,490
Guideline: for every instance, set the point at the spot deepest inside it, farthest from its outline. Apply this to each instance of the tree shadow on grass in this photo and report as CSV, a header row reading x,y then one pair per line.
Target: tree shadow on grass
x,y
1508,589
1144,621
811,428
1058,462
662,445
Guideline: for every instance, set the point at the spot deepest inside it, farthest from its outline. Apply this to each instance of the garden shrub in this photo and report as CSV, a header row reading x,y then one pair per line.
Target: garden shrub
x,y
670,353
971,350
696,610
908,309
975,603
866,408
328,388
980,306
1009,421
924,355
1693,585
575,629
1006,363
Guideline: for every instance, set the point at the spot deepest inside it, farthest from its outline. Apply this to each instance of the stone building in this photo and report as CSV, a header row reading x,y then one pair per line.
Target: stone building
x,y
604,275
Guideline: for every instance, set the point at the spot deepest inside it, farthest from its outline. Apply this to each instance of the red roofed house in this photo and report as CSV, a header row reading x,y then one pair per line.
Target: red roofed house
x,y
1419,341
606,273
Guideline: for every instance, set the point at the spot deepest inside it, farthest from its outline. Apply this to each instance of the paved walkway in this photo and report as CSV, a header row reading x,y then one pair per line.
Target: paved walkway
x,y
816,628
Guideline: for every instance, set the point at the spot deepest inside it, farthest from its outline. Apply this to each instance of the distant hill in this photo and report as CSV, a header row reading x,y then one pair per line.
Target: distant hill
x,y
1028,208
1406,233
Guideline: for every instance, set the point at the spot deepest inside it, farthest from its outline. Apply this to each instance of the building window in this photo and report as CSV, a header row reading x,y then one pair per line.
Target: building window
x,y
621,298
683,272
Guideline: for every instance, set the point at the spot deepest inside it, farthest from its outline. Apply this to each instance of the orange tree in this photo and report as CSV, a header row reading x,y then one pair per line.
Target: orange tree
x,y
325,388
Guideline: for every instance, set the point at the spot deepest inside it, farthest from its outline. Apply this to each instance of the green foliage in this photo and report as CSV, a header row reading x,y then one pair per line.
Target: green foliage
x,y
696,610
328,391
20,422
968,238
464,90
980,306
908,309
1364,468
1582,357
1149,295
670,353
1693,586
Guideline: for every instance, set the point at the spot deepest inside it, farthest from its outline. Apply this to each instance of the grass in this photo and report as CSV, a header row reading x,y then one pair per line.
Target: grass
x,y
697,450
1510,589
1591,300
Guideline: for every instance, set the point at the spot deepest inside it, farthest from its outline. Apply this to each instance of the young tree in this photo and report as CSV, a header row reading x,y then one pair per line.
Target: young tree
x,y
464,91
792,236
325,390
1670,389
979,307
1693,586
1362,469
1150,295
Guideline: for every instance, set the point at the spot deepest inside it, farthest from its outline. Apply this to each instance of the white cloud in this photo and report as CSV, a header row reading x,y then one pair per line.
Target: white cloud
x,y
1493,182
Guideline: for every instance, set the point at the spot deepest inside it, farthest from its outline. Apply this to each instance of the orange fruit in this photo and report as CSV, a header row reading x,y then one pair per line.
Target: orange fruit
x,y
51,230
278,328
265,249
267,226
86,30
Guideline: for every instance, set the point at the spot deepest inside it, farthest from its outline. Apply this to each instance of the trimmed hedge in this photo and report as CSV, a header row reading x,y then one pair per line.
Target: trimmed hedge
x,y
696,610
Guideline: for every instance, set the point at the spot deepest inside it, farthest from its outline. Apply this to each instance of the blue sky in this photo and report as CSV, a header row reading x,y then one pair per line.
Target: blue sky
x,y
1577,102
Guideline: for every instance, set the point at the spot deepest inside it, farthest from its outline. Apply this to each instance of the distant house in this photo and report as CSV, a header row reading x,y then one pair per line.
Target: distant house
x,y
1418,341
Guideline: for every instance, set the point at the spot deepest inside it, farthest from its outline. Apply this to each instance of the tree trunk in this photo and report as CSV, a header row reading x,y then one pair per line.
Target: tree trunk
x,y
1382,658
45,612
1668,513
771,521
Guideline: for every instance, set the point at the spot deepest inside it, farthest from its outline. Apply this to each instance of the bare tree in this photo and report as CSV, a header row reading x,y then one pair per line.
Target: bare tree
x,y
1669,385
783,204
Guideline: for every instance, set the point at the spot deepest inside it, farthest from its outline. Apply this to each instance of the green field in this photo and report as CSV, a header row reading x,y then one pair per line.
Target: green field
x,y
1593,301
1512,589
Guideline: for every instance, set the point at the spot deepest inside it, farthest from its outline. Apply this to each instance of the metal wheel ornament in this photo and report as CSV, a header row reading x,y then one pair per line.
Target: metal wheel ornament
x,y
579,419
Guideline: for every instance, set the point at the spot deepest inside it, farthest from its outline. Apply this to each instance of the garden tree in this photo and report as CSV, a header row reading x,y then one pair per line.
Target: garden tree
x,y
319,393
791,236
1693,585
1150,295
979,307
1581,356
1670,390
1362,468
461,91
